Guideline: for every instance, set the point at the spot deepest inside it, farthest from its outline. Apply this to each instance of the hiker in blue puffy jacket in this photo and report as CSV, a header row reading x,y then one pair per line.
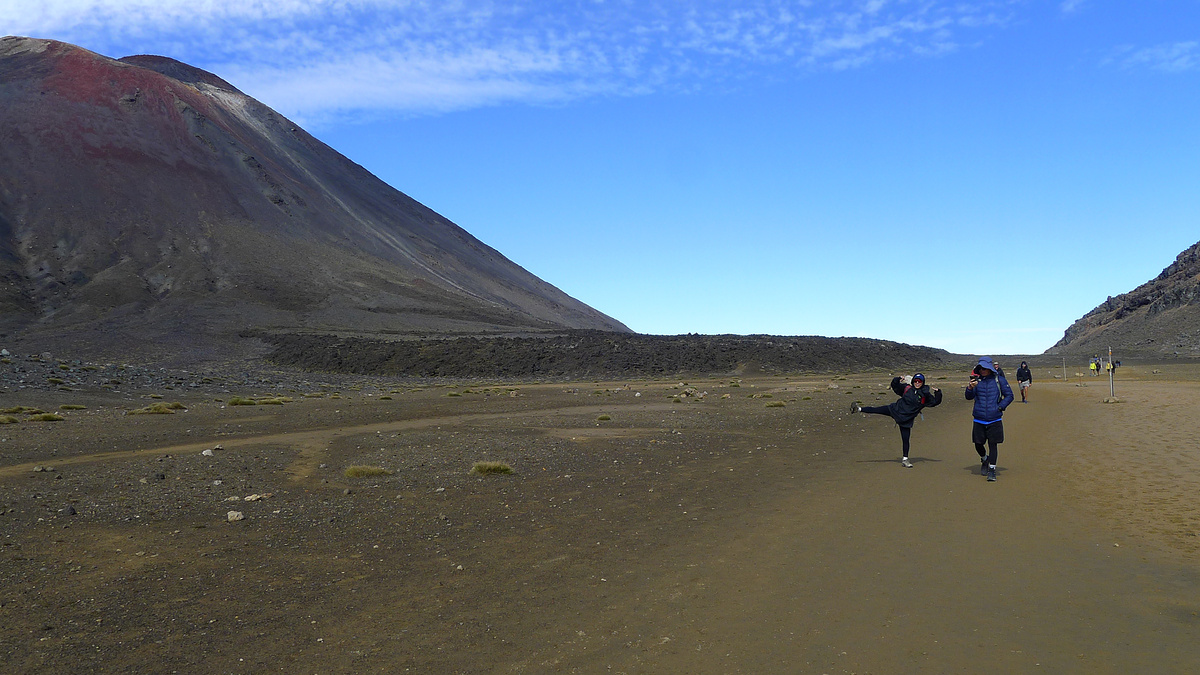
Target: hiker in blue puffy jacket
x,y
991,394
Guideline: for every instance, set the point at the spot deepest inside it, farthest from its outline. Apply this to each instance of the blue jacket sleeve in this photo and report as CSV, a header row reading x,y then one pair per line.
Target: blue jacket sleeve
x,y
1006,391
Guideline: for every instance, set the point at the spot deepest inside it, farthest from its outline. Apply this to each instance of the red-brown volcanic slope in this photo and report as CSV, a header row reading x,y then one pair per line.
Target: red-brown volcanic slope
x,y
150,196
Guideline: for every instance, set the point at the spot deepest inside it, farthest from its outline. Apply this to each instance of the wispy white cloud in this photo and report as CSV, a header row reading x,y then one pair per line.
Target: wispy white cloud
x,y
312,58
1071,6
1173,58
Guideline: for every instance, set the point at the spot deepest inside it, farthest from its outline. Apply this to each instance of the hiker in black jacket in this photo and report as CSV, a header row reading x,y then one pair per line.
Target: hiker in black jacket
x,y
1024,378
914,396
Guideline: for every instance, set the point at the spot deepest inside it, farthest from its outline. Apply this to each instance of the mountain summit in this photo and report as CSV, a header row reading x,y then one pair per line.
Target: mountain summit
x,y
147,196
1159,318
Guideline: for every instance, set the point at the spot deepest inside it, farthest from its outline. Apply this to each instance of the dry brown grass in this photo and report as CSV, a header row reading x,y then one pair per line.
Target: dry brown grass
x,y
158,409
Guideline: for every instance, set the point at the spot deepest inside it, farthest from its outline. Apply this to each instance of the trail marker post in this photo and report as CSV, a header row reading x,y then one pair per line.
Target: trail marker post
x,y
1111,371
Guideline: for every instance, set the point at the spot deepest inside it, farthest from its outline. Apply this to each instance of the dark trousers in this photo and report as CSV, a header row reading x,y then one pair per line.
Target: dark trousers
x,y
905,432
993,435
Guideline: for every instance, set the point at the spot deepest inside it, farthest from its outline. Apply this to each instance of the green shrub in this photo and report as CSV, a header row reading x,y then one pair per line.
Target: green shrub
x,y
55,380
775,404
603,418
22,410
485,468
364,471
48,417
385,398
238,400
72,406
8,419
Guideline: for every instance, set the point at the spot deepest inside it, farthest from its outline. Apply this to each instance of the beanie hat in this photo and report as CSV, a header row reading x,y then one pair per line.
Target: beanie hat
x,y
918,376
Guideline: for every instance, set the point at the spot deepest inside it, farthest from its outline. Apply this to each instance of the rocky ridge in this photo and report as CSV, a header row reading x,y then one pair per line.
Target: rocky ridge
x,y
1159,318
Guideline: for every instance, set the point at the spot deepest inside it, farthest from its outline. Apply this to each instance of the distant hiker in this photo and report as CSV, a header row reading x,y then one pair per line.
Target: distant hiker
x,y
1092,367
914,395
1024,379
991,394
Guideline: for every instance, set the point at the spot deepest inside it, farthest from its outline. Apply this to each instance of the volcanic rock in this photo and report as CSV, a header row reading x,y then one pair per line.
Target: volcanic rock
x,y
145,202
1159,318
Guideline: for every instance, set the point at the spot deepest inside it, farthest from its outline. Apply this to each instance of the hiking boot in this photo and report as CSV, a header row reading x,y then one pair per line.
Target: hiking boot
x,y
991,474
983,466
905,463
855,408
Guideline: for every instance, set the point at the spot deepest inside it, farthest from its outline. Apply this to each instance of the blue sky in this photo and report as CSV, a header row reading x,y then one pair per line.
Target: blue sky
x,y
971,176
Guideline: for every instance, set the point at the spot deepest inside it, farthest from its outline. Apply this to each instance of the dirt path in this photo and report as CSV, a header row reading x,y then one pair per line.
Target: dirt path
x,y
308,444
885,570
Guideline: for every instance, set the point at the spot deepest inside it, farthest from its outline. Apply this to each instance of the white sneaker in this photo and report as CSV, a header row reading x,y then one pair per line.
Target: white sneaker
x,y
905,463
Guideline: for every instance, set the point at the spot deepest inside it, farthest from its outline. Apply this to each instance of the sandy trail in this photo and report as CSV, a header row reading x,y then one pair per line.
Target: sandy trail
x,y
884,570
309,444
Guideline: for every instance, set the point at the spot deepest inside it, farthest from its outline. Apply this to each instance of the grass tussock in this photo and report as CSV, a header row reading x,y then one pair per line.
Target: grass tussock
x,y
364,471
604,418
48,417
72,406
22,410
385,398
8,419
775,404
486,468
238,400
158,409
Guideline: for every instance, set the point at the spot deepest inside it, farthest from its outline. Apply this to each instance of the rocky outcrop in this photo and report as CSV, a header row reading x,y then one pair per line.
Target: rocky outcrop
x,y
1162,316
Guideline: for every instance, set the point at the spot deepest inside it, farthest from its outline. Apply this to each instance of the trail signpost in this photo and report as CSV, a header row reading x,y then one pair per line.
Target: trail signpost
x,y
1111,371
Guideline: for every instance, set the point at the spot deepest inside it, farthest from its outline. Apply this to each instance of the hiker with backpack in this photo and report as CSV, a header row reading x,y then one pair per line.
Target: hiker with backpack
x,y
914,396
991,393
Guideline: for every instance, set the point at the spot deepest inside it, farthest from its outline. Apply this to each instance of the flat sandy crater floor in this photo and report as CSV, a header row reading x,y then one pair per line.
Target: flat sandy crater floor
x,y
709,526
